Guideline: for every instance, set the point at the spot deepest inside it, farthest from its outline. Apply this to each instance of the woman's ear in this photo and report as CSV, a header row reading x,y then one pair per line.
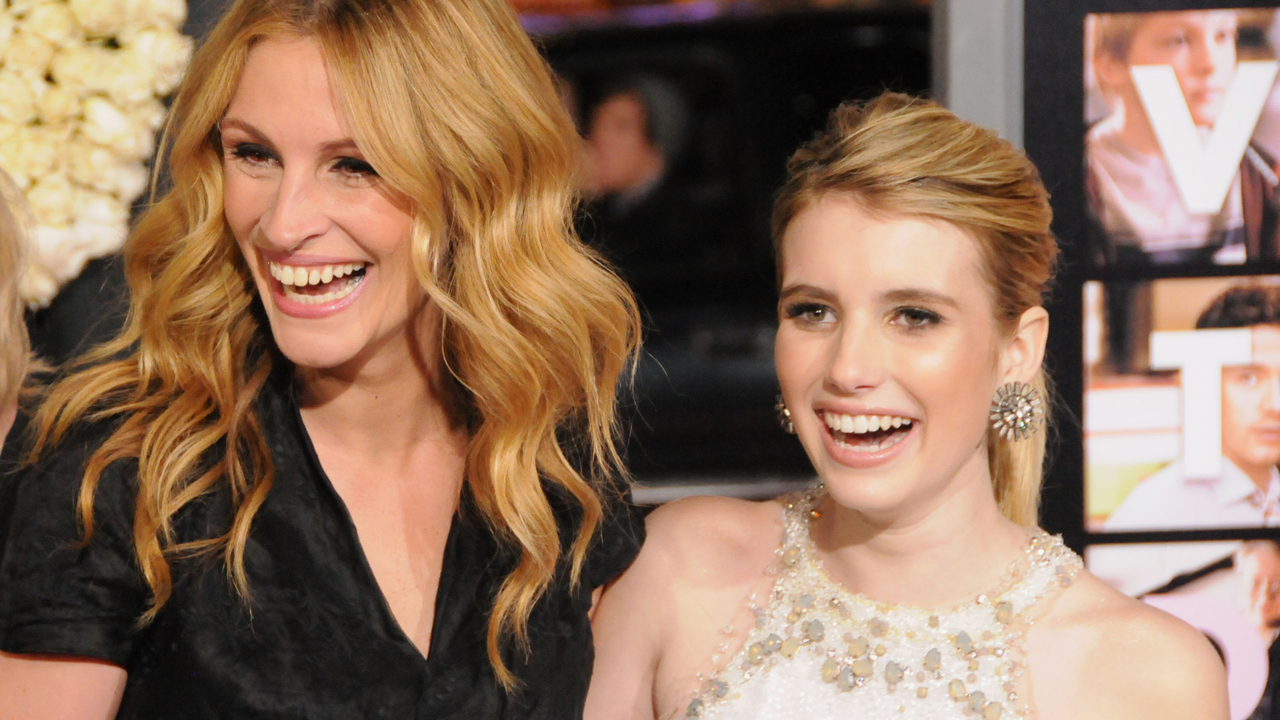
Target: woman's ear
x,y
1024,354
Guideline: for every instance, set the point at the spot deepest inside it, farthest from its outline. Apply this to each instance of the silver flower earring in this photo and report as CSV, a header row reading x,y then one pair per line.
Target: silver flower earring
x,y
1017,411
784,416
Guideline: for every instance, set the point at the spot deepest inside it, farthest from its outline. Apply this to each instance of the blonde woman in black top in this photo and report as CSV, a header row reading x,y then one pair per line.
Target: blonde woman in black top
x,y
350,456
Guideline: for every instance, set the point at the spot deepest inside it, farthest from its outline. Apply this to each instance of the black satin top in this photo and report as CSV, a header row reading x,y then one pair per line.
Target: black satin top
x,y
316,638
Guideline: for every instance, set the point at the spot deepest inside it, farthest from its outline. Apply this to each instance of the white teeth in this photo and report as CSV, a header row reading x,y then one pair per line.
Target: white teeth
x,y
298,276
347,288
859,424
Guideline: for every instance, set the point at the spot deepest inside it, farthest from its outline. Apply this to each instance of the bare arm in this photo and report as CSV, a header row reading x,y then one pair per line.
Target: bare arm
x,y
38,687
627,629
661,623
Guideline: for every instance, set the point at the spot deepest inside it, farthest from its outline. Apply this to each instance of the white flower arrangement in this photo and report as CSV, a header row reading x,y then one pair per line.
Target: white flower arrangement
x,y
81,83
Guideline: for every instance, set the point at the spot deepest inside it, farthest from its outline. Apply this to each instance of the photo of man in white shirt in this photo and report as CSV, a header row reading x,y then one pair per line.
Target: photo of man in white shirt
x,y
1247,491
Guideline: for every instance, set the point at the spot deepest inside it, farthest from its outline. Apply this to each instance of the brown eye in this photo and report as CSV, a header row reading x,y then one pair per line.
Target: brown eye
x,y
912,317
355,167
253,154
810,313
1248,378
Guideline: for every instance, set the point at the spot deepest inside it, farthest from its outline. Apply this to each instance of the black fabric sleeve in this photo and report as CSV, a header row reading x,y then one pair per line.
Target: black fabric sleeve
x,y
57,597
617,543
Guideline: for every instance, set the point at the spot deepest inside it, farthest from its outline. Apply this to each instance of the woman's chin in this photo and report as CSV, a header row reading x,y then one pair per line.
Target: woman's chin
x,y
314,351
873,497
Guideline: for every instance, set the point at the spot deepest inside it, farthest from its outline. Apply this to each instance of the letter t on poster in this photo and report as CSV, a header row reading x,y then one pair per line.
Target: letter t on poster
x,y
1201,355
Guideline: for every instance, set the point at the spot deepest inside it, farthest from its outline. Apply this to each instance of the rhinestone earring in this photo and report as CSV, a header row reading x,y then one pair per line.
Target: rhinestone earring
x,y
1017,411
784,416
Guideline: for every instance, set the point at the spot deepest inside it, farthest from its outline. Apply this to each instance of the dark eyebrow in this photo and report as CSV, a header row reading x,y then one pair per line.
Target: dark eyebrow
x,y
916,295
343,145
811,290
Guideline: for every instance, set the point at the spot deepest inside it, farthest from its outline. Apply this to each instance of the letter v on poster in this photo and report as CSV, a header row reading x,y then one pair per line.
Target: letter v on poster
x,y
1203,172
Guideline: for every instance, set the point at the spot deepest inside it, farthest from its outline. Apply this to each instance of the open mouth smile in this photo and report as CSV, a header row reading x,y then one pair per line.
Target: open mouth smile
x,y
318,284
866,433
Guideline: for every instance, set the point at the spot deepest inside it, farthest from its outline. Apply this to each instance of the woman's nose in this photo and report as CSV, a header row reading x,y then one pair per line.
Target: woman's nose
x,y
858,361
299,212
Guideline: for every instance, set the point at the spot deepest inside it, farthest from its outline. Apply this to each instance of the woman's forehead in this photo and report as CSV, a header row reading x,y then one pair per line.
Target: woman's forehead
x,y
836,242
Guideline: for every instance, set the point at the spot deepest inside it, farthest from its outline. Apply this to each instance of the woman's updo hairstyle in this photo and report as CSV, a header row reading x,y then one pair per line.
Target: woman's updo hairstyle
x,y
904,156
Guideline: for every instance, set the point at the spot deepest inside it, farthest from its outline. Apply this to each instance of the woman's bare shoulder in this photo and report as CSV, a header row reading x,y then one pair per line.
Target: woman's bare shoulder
x,y
1102,654
714,535
660,623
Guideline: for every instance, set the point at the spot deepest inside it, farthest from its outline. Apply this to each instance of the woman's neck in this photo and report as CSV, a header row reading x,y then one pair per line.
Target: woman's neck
x,y
385,404
953,548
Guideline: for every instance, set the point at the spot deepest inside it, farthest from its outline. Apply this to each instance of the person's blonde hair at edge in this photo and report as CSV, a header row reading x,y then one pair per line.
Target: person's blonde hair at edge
x,y
15,347
903,156
1113,33
453,105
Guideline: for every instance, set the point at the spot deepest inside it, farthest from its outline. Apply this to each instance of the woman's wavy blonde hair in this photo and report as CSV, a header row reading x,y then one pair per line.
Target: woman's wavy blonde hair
x,y
15,237
455,108
901,155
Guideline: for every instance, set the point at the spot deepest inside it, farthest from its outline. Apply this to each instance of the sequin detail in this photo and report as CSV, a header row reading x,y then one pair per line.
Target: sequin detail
x,y
819,651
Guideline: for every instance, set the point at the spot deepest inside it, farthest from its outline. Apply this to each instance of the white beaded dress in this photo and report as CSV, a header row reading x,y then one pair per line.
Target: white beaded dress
x,y
817,651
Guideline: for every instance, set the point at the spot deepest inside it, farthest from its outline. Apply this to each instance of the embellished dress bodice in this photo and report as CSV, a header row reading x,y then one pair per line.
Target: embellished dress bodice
x,y
817,651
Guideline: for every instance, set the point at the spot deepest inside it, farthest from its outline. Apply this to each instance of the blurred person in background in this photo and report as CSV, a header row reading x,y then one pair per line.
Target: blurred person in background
x,y
1133,199
1257,566
15,349
638,215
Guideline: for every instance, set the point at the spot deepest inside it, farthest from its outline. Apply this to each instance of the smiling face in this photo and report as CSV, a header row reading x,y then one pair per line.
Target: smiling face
x,y
1251,406
886,321
328,243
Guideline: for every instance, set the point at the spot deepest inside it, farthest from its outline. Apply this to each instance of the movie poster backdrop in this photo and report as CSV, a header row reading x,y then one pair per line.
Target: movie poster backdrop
x,y
1183,131
1156,127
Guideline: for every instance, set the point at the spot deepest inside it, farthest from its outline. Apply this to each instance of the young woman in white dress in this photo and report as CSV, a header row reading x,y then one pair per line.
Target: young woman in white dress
x,y
913,251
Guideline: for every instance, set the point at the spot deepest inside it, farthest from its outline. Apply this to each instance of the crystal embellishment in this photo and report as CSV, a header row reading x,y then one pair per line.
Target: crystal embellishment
x,y
839,654
1017,411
